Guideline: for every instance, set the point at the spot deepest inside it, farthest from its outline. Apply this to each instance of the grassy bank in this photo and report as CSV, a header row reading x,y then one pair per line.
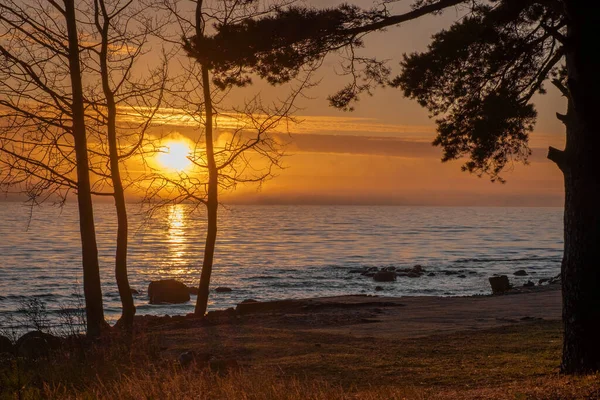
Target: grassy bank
x,y
515,362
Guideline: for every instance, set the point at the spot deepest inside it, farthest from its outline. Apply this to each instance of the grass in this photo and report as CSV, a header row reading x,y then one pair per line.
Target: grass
x,y
517,362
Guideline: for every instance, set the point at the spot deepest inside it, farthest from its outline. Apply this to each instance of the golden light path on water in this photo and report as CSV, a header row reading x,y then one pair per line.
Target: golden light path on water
x,y
176,239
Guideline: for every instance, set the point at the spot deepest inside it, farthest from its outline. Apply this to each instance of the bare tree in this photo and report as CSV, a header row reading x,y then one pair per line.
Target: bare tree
x,y
123,31
43,120
42,113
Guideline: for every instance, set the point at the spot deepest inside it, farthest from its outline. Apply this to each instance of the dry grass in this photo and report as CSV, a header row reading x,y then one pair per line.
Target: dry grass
x,y
518,362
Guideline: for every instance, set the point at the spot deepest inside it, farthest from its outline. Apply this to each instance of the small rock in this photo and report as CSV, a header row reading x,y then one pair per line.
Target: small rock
x,y
356,271
418,268
223,366
186,358
556,279
384,276
431,274
500,284
543,280
378,288
223,289
462,276
6,346
528,284
521,272
133,291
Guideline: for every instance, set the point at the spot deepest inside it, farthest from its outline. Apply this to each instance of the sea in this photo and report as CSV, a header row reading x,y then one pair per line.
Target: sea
x,y
268,252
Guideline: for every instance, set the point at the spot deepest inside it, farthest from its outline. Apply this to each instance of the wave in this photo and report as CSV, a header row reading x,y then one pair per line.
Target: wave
x,y
508,259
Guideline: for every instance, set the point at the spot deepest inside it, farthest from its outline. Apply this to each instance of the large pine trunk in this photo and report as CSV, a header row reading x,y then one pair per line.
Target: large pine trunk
x,y
579,163
91,269
212,202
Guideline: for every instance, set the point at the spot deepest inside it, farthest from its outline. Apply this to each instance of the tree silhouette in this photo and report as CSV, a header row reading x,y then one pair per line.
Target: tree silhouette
x,y
121,31
477,78
44,140
37,147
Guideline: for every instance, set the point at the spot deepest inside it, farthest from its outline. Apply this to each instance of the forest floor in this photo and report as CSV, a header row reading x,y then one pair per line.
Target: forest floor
x,y
349,347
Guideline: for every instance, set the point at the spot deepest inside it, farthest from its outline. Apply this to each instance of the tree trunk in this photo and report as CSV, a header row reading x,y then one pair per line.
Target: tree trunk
x,y
91,268
128,307
212,202
579,162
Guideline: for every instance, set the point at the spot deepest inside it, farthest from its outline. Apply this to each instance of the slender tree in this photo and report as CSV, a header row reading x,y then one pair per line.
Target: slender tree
x,y
123,33
478,78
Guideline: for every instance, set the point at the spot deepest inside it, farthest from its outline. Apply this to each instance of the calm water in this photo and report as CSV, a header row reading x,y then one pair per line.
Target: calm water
x,y
274,252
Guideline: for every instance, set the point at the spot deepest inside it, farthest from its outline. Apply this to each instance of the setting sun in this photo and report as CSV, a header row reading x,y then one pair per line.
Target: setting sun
x,y
175,156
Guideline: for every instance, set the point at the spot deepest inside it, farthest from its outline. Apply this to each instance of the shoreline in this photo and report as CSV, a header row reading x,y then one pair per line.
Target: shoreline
x,y
379,316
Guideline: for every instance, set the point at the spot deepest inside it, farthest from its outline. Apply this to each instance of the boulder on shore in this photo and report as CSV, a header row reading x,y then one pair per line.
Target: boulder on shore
x,y
500,284
168,291
36,344
6,346
384,276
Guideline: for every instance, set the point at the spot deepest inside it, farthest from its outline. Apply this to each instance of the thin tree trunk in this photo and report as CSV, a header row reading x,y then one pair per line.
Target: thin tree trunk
x,y
91,268
212,202
580,268
128,307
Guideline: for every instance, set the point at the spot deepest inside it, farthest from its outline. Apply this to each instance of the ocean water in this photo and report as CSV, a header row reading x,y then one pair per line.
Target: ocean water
x,y
275,252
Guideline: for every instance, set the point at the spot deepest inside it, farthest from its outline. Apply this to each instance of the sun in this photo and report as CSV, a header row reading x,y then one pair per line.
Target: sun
x,y
175,156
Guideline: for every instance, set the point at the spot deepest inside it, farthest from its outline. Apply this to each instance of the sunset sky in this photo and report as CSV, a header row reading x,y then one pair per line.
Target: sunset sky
x,y
381,152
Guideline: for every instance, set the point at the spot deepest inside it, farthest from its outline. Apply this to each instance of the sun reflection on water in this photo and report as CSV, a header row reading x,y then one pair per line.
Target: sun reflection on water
x,y
176,238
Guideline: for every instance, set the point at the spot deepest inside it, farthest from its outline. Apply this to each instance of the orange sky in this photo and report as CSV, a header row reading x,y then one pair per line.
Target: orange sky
x,y
381,152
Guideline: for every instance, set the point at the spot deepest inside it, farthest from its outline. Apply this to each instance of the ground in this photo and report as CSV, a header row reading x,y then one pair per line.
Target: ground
x,y
363,347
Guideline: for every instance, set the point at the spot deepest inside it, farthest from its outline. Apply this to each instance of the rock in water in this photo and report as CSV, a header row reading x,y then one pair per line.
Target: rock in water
x,y
384,276
521,272
222,289
499,284
168,291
